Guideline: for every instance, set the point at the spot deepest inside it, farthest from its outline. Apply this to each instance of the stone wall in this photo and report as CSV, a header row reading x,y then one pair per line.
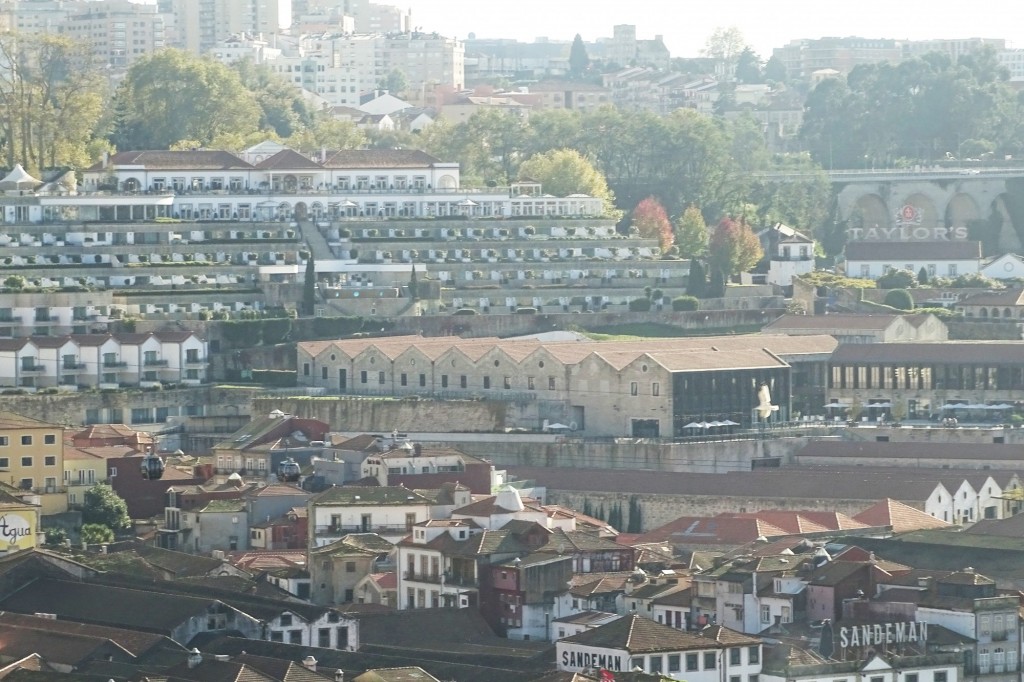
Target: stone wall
x,y
352,413
703,457
70,408
657,510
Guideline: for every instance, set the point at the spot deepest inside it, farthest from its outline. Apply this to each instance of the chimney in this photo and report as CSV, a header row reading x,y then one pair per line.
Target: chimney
x,y
339,675
309,663
194,658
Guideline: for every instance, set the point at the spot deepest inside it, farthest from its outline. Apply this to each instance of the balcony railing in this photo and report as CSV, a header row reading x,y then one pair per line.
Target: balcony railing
x,y
359,528
155,363
114,364
72,367
195,362
33,369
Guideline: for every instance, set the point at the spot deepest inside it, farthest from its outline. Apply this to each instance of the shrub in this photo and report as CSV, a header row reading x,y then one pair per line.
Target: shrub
x,y
900,299
685,303
897,279
640,305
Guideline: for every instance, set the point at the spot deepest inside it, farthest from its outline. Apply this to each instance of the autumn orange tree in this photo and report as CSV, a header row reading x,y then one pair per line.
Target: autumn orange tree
x,y
651,222
734,247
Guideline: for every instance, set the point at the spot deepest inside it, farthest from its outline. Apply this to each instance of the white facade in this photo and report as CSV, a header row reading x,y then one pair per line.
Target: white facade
x,y
103,361
952,268
428,578
329,522
878,669
710,664
1007,266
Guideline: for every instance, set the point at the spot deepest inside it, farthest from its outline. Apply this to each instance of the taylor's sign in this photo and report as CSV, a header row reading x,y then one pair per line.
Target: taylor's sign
x,y
905,233
883,633
572,660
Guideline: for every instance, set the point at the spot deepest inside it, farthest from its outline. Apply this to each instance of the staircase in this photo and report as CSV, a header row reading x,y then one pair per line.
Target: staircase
x,y
316,242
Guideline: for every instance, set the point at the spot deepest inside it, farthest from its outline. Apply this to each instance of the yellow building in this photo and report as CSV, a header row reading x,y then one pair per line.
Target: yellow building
x,y
32,459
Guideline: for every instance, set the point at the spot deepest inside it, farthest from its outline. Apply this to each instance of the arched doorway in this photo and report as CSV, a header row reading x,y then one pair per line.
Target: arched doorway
x,y
300,210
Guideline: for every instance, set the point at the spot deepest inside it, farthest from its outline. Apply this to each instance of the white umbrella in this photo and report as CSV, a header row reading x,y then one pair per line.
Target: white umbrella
x,y
715,424
828,405
694,425
729,422
349,204
557,427
467,202
885,404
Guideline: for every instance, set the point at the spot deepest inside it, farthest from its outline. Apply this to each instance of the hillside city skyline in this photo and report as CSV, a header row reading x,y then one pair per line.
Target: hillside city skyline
x,y
764,25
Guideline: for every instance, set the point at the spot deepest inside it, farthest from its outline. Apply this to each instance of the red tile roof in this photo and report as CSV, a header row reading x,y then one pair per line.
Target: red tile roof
x,y
901,517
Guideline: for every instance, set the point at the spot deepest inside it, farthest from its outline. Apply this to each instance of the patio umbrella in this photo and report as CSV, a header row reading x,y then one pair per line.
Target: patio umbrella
x,y
694,425
729,422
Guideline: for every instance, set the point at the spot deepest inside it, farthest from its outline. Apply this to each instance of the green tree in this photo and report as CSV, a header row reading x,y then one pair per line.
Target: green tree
x,y
327,133
692,233
716,284
725,44
56,536
15,282
283,109
172,95
734,248
566,171
635,523
748,67
396,82
896,279
96,534
414,287
922,276
697,282
101,505
51,101
775,70
578,59
309,288
899,299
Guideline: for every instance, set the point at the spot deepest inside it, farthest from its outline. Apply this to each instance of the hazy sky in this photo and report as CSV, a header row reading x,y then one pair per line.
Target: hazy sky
x,y
686,24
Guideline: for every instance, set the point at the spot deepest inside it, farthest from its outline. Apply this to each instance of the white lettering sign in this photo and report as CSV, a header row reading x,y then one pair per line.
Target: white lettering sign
x,y
905,233
882,633
572,660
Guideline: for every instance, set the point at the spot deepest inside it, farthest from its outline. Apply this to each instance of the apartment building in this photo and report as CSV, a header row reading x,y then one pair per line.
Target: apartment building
x,y
103,360
32,459
119,32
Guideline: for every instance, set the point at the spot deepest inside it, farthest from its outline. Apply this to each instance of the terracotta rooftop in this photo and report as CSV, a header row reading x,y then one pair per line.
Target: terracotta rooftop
x,y
637,635
901,517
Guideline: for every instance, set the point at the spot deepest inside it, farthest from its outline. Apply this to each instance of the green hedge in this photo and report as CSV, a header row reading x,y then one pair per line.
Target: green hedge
x,y
280,378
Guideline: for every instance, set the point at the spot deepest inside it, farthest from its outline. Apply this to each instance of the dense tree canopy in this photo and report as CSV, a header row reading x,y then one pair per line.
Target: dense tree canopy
x,y
565,171
734,247
172,95
51,101
102,506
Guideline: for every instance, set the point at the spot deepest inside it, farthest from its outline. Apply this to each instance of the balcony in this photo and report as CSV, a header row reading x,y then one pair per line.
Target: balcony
x,y
72,367
113,364
33,369
447,578
195,362
155,363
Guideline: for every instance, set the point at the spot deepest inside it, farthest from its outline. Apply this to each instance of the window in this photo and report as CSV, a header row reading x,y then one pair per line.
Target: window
x,y
350,567
305,369
324,638
734,678
766,614
754,655
50,461
26,484
5,463
26,440
634,388
692,662
404,379
444,381
323,372
362,377
3,441
551,383
735,656
49,439
423,379
380,378
487,382
295,637
655,388
286,619
710,660
507,383
940,676
26,461
910,677
673,663
463,381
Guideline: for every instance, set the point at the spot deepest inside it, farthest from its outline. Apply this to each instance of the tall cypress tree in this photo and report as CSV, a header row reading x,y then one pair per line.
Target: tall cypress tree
x,y
309,292
697,284
578,58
